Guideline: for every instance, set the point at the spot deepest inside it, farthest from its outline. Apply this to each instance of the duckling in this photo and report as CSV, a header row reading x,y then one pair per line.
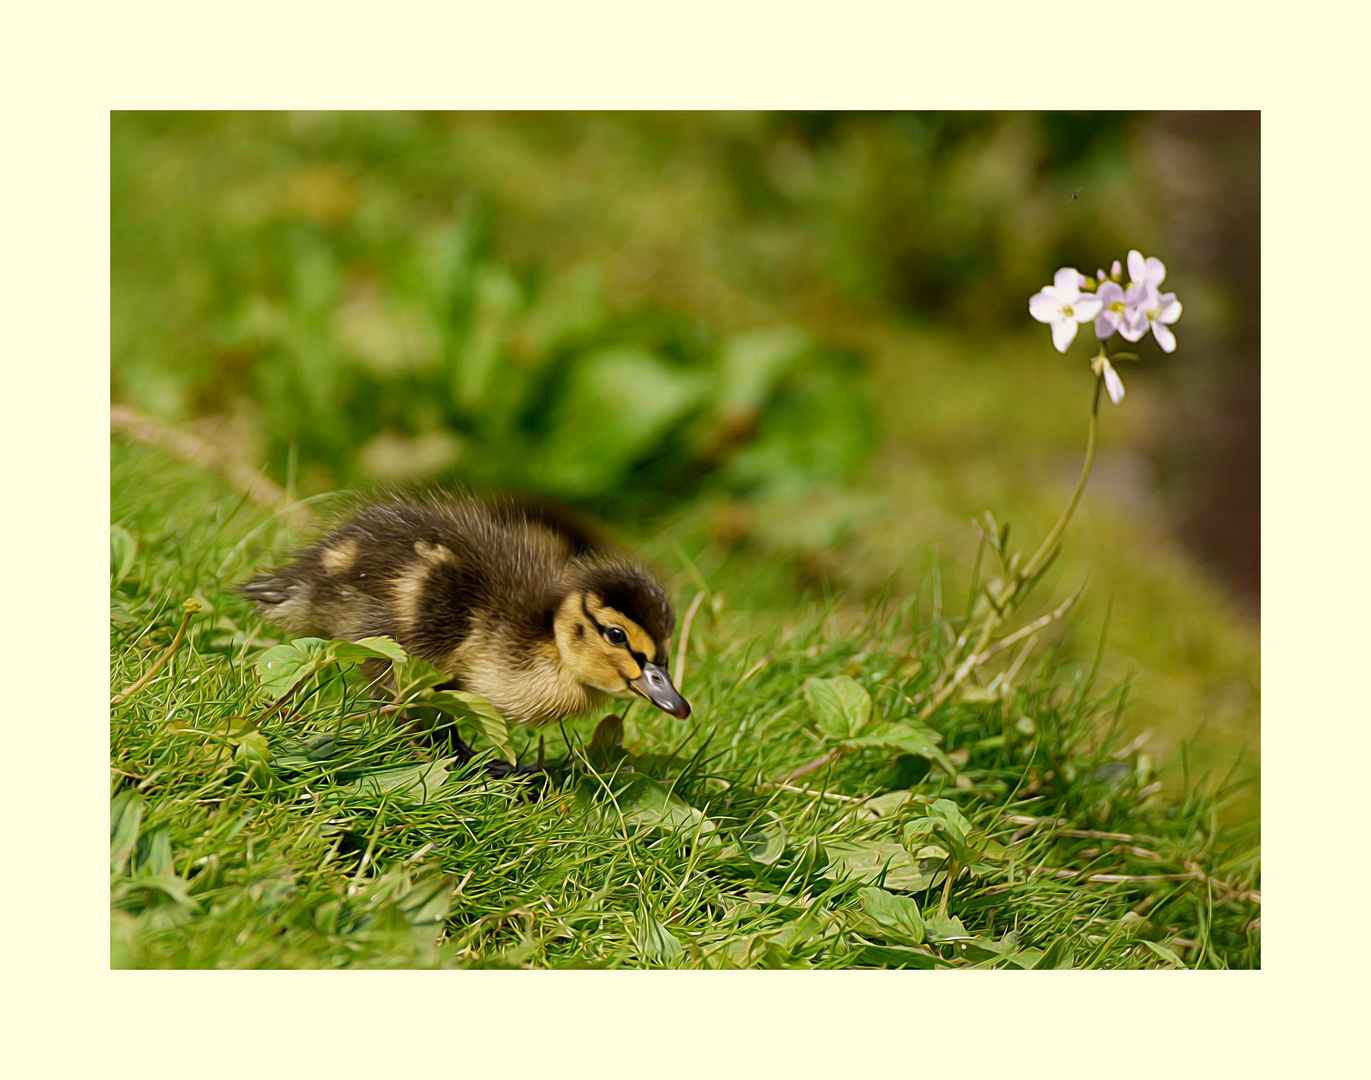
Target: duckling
x,y
519,603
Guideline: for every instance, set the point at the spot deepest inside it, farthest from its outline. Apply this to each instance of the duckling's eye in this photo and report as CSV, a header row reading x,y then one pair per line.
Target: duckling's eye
x,y
616,636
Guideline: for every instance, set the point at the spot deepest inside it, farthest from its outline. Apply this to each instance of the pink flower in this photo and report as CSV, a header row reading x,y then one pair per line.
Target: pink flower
x,y
1064,306
1158,312
1120,311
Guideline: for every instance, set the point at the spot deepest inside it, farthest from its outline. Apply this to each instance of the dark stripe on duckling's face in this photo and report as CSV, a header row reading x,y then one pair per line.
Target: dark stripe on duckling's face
x,y
624,650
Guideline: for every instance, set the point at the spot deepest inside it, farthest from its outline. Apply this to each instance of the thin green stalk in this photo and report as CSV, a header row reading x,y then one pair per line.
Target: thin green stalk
x,y
190,607
1003,605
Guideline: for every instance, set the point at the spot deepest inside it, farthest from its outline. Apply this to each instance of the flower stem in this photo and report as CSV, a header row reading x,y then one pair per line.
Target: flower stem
x,y
189,608
1003,606
1091,439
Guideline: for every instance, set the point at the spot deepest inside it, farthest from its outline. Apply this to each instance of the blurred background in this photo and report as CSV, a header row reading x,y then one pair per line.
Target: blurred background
x,y
792,347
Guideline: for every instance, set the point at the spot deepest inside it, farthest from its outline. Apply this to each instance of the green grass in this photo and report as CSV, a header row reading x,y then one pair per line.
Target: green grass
x,y
324,834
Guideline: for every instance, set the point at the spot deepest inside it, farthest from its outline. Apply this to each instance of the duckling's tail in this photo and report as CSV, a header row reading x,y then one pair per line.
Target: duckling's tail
x,y
274,588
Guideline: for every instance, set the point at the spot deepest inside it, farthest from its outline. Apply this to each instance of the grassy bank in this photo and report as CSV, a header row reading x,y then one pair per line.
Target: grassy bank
x,y
318,832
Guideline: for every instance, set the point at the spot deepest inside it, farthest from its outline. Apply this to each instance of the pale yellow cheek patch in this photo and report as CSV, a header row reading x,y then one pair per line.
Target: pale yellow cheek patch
x,y
337,561
638,639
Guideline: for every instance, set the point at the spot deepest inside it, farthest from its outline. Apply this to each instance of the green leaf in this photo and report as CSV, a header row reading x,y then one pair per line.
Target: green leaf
x,y
154,854
123,551
372,648
868,860
1059,955
413,676
752,363
252,754
645,396
426,905
906,739
1164,953
160,885
764,842
655,942
284,667
945,928
125,816
419,779
945,821
478,711
644,803
841,705
897,915
897,956
884,807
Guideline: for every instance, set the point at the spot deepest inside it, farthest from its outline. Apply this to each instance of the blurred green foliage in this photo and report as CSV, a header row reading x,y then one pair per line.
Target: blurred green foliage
x,y
361,292
346,296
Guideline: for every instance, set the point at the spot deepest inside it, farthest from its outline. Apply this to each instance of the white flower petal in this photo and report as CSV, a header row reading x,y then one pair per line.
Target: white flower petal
x,y
1109,293
1171,308
1086,308
1133,331
1104,326
1068,282
1165,338
1155,270
1116,271
1063,334
1137,266
1043,307
1113,383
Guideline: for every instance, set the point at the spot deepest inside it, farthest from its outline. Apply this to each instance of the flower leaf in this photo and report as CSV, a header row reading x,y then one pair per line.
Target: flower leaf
x,y
841,705
906,738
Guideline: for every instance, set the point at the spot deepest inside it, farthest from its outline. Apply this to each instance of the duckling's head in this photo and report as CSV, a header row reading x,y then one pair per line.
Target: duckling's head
x,y
613,629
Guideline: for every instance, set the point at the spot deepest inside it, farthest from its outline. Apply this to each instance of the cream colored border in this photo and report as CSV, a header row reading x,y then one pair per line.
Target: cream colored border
x,y
67,66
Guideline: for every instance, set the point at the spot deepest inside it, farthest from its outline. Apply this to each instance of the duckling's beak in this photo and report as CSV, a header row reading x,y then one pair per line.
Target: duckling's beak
x,y
655,685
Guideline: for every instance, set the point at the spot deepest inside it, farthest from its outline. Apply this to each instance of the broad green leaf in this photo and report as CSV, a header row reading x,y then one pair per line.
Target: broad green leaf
x,y
123,551
372,648
1059,955
477,710
764,842
644,396
426,905
944,928
884,807
897,956
644,803
841,705
413,676
252,754
898,915
125,816
154,853
419,779
945,822
905,738
1164,953
655,942
869,860
284,667
169,885
751,363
